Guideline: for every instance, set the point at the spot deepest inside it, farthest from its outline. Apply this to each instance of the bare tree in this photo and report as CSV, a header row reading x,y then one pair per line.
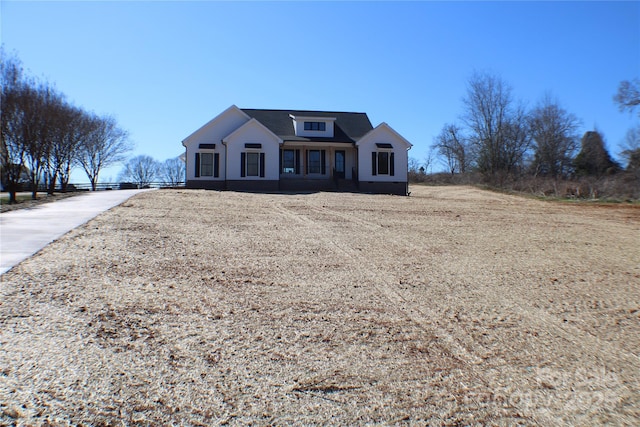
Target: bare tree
x,y
35,103
517,139
628,95
104,144
12,146
70,130
428,162
173,171
413,165
553,131
141,170
28,120
44,136
413,169
37,125
496,129
47,150
631,149
453,148
55,113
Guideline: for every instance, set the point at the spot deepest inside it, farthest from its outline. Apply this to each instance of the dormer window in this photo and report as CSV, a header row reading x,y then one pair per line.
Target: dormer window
x,y
313,126
319,126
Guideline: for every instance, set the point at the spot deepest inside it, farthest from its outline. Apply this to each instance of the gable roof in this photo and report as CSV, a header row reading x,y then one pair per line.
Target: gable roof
x,y
385,127
244,127
348,127
213,121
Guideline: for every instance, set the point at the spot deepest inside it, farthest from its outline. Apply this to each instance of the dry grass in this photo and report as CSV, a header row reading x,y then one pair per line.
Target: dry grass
x,y
454,306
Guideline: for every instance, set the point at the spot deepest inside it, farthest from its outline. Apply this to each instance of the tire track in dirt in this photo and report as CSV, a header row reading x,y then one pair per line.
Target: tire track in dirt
x,y
460,344
453,346
536,316
400,303
590,347
588,344
457,347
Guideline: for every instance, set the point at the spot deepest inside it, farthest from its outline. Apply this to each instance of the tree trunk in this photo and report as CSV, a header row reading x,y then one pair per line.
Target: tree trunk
x,y
12,190
63,184
34,190
52,184
64,179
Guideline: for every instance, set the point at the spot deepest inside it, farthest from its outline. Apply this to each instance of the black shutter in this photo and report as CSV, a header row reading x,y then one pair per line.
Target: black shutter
x,y
323,162
306,164
243,160
391,165
281,154
197,165
216,165
261,165
374,164
297,162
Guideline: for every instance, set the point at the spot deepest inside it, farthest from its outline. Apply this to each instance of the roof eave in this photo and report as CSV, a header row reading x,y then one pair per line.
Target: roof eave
x,y
210,122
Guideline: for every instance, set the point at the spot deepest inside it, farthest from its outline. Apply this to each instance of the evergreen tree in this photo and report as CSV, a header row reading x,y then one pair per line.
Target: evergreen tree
x,y
593,158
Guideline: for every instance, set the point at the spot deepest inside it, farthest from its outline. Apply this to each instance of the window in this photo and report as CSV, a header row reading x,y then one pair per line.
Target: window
x,y
319,126
207,164
252,164
382,163
314,163
288,161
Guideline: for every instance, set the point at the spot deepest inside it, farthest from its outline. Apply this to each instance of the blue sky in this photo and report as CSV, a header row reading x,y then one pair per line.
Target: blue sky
x,y
163,69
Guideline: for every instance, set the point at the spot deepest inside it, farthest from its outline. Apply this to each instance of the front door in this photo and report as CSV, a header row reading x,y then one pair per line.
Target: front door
x,y
339,164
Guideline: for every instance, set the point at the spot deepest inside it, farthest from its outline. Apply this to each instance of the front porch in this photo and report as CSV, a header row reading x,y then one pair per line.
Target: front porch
x,y
317,167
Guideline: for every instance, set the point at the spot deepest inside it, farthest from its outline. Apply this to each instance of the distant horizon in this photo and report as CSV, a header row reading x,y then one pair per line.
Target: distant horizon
x,y
164,69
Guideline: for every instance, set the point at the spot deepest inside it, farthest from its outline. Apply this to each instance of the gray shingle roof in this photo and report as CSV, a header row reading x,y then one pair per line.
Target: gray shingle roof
x,y
348,127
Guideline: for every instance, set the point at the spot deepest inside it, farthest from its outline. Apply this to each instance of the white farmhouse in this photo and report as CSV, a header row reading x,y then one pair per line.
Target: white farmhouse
x,y
287,150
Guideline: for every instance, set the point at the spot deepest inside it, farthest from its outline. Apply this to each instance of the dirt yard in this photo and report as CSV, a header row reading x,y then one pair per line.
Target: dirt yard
x,y
454,306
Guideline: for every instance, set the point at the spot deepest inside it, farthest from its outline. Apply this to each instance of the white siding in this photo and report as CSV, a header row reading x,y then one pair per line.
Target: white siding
x,y
253,133
298,125
367,145
213,133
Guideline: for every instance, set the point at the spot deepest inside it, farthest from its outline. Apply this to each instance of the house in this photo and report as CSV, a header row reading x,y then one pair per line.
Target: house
x,y
287,150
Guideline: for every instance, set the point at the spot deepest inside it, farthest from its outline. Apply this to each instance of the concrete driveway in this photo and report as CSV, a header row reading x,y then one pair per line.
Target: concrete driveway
x,y
24,232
